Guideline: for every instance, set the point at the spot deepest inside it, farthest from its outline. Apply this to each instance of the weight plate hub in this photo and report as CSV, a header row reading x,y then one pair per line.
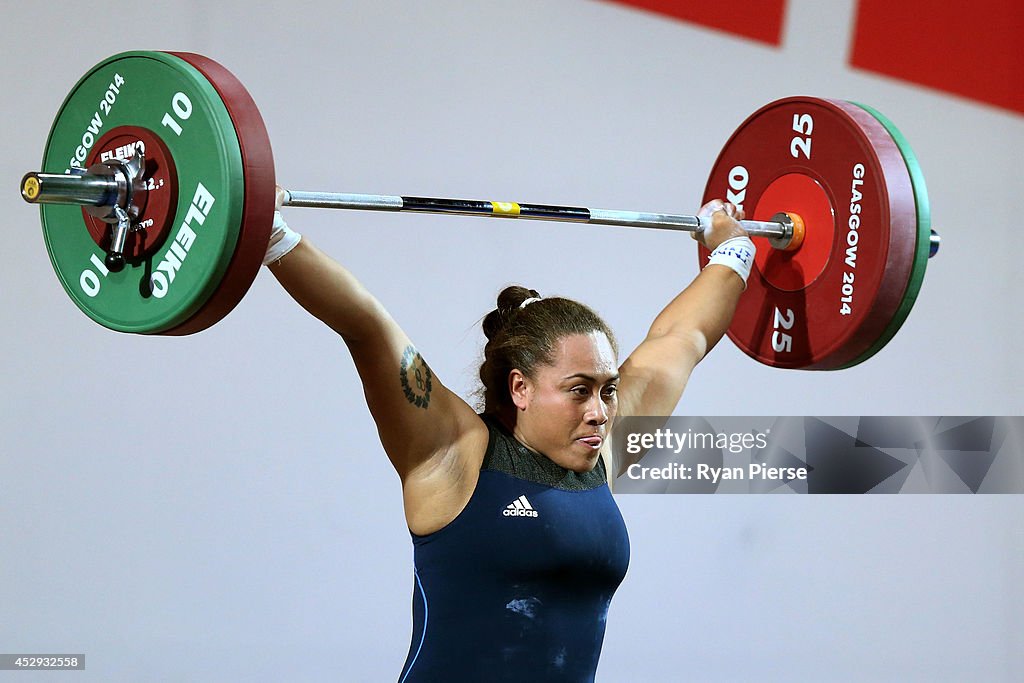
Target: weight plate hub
x,y
838,167
793,270
181,118
155,201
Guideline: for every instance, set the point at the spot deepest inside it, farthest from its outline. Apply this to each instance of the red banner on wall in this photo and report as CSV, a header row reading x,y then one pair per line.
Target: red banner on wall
x,y
971,49
759,20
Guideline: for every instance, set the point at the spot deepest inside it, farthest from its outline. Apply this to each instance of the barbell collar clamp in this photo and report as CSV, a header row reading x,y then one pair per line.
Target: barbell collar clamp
x,y
106,190
101,188
115,256
121,196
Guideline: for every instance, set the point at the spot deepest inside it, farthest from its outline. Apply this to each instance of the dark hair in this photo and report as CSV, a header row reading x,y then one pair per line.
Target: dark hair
x,y
525,337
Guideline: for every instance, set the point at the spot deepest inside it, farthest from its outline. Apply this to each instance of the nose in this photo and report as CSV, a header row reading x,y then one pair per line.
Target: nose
x,y
597,411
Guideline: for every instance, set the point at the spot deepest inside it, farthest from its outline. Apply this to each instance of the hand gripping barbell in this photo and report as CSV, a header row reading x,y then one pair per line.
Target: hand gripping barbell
x,y
157,192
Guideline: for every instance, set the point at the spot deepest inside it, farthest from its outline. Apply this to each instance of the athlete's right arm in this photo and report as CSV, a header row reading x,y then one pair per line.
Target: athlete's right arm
x,y
423,426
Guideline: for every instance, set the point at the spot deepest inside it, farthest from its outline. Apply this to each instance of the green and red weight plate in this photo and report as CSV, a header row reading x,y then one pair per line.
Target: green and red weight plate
x,y
206,203
854,180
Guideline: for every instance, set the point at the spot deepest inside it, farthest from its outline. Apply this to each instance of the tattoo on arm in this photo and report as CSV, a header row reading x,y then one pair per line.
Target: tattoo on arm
x,y
417,380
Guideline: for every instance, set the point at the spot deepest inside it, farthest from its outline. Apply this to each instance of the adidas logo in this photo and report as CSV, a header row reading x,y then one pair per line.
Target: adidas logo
x,y
520,507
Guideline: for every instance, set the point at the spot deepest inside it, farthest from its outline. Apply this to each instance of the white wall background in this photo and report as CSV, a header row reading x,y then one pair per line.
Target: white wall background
x,y
226,513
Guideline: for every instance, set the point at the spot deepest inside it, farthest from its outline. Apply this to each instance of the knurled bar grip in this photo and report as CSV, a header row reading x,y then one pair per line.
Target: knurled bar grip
x,y
90,189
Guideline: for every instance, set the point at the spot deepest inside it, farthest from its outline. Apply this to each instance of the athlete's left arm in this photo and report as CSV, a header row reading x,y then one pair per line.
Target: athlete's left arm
x,y
654,375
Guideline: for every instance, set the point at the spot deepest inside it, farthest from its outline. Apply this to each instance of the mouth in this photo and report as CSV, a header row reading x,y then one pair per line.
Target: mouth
x,y
593,442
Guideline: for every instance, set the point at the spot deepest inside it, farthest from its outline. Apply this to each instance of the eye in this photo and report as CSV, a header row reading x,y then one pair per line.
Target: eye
x,y
610,391
580,391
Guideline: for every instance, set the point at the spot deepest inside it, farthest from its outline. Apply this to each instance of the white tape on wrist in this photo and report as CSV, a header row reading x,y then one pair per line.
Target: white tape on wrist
x,y
736,253
282,240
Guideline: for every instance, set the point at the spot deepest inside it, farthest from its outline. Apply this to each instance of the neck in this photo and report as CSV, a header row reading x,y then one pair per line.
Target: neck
x,y
508,417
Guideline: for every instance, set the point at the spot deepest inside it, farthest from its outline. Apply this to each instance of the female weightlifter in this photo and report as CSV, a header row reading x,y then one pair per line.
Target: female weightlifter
x,y
518,544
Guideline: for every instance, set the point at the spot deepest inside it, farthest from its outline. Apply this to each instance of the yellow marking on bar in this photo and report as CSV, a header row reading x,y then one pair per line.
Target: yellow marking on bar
x,y
509,209
31,188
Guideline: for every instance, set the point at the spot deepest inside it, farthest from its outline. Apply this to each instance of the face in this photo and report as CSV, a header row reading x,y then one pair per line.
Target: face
x,y
566,409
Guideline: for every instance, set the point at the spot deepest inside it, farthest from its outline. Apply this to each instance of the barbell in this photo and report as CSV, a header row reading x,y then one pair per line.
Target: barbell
x,y
156,195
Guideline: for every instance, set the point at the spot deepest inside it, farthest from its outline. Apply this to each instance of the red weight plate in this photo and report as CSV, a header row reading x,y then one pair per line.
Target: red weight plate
x,y
156,201
258,211
836,166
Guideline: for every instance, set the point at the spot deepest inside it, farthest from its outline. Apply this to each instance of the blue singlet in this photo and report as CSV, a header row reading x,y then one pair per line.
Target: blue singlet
x,y
517,587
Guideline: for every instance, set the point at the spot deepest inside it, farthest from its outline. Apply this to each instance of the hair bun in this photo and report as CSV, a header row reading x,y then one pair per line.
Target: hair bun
x,y
509,301
513,297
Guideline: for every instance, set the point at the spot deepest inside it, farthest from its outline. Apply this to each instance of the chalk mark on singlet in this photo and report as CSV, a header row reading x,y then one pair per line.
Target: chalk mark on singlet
x,y
417,379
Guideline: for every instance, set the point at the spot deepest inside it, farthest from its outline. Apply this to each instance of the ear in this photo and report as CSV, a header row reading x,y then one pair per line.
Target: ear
x,y
519,388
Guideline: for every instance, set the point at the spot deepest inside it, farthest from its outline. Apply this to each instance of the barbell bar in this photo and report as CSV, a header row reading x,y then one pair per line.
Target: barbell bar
x,y
101,190
780,231
93,189
156,205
